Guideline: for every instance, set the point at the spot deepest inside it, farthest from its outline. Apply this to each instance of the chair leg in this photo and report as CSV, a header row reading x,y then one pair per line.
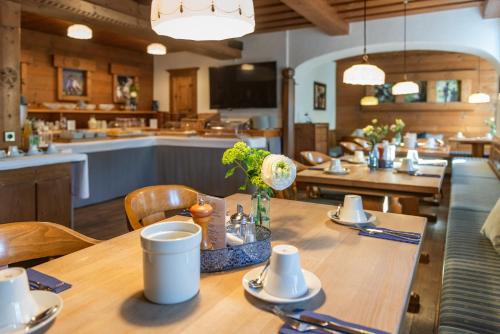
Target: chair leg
x,y
414,304
424,258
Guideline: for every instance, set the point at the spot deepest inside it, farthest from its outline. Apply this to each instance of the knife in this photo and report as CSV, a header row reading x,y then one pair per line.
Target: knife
x,y
330,325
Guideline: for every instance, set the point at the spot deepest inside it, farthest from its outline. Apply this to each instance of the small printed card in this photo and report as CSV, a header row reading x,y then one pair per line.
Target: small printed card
x,y
217,226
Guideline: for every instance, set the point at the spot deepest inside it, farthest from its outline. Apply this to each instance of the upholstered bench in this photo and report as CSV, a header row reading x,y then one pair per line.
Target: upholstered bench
x,y
474,167
470,295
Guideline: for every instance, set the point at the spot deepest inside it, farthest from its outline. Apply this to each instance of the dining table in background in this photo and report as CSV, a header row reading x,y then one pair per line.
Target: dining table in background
x,y
404,190
365,280
477,144
442,152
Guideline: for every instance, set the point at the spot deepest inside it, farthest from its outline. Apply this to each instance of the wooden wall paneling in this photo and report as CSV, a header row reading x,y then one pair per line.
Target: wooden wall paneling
x,y
53,194
17,196
10,74
183,92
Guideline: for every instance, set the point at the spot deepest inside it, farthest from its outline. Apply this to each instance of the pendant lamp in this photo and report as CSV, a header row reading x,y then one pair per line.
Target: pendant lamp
x,y
202,20
157,49
364,73
405,87
369,101
479,97
79,31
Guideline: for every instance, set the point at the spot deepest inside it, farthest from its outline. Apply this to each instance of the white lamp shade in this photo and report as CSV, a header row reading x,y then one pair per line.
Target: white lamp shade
x,y
364,74
369,101
479,98
79,31
198,20
405,87
157,49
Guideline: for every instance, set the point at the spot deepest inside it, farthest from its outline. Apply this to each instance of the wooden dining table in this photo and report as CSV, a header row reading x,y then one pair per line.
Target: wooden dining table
x,y
477,144
365,280
404,190
442,152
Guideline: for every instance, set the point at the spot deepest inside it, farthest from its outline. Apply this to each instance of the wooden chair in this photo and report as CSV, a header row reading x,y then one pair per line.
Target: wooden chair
x,y
23,241
315,158
349,147
149,205
365,144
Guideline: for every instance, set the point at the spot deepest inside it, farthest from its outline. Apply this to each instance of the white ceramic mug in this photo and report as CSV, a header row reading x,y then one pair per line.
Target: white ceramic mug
x,y
412,155
171,260
431,142
13,151
460,135
3,154
52,149
359,155
410,140
17,305
33,150
407,165
285,278
336,165
352,210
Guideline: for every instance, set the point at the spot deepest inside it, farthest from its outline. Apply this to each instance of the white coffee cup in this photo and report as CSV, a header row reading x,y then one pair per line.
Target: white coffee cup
x,y
431,142
407,165
285,278
352,210
33,150
17,305
412,155
171,260
13,151
359,155
3,154
460,135
336,165
410,140
52,149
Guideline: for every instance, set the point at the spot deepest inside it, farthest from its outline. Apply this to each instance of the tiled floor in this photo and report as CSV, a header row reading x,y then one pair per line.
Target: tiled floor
x,y
107,220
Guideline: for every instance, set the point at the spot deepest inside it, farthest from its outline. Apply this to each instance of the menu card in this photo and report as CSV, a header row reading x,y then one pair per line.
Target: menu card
x,y
217,225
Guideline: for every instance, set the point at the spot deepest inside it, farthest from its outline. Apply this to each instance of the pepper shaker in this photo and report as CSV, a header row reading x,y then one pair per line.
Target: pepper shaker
x,y
202,213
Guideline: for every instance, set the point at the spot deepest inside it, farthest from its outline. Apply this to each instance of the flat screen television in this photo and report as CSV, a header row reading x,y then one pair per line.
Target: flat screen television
x,y
243,86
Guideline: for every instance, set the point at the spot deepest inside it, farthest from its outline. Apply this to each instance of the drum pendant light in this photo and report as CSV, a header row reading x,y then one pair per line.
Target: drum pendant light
x,y
364,73
202,20
479,97
405,87
369,101
79,31
157,49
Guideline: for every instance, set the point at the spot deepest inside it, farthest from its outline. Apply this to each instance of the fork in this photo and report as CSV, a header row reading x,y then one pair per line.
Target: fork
x,y
413,235
40,286
298,325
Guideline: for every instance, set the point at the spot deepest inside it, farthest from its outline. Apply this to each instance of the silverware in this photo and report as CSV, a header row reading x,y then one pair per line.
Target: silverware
x,y
40,286
41,317
331,325
258,283
337,212
377,231
298,325
403,233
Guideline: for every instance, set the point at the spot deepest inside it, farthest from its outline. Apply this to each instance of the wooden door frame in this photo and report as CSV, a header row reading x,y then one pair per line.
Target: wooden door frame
x,y
184,72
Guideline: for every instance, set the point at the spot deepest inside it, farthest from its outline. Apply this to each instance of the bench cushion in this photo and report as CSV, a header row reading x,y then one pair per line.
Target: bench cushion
x,y
470,297
474,167
474,193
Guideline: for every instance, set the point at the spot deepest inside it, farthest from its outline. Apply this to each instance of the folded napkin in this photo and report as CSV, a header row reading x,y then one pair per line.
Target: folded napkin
x,y
285,329
433,162
390,237
315,168
53,283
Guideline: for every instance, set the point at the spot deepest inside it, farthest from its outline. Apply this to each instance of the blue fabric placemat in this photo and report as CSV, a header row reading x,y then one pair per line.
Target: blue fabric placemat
x,y
285,329
390,237
56,285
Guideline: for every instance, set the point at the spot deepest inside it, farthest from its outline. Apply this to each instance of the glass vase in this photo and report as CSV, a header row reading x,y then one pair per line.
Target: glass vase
x,y
397,138
261,205
373,157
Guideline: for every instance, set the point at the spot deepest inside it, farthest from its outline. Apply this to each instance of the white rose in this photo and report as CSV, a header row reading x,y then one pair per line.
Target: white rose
x,y
278,171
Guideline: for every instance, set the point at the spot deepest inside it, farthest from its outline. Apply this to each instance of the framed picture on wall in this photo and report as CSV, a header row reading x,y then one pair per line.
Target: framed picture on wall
x,y
123,85
421,96
319,96
447,91
383,93
73,84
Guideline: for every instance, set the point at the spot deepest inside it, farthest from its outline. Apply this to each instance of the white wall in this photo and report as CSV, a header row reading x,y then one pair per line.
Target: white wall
x,y
257,48
304,94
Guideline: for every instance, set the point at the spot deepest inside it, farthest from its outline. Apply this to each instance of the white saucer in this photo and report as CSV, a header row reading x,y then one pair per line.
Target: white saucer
x,y
312,281
344,171
44,299
399,170
370,219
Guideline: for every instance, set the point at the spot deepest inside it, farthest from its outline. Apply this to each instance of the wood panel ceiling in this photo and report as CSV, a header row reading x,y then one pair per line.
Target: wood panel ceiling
x,y
274,15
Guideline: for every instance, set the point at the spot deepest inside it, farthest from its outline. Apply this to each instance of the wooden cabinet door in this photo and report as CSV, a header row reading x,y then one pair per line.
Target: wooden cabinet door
x,y
183,93
53,194
17,196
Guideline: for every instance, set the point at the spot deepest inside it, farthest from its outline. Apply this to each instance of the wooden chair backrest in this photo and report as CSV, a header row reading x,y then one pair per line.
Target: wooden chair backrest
x,y
149,205
314,157
362,142
349,147
23,241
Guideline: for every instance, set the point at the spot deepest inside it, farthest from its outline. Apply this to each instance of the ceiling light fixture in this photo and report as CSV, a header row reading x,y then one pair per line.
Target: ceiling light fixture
x,y
479,97
405,87
79,31
157,49
202,20
369,101
364,73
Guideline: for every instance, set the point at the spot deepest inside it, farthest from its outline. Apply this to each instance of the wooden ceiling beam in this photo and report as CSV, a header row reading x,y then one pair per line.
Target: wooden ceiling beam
x,y
321,14
491,9
102,17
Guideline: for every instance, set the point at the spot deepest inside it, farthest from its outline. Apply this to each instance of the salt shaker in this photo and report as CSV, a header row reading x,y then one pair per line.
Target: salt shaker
x,y
235,222
250,233
202,213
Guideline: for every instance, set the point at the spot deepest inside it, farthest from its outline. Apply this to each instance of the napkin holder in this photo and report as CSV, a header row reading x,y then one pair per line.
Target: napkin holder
x,y
239,256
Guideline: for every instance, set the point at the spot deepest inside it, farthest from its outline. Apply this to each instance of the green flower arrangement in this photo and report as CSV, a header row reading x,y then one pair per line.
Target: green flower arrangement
x,y
490,122
375,132
398,126
249,160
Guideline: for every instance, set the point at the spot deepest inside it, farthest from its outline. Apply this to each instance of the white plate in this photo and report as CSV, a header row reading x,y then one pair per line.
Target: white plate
x,y
312,281
345,171
44,299
370,218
